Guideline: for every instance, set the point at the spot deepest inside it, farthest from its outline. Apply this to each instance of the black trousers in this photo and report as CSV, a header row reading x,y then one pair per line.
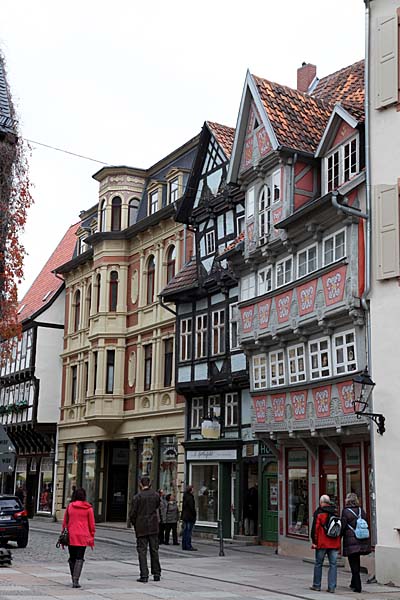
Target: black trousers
x,y
141,544
161,533
354,562
174,528
76,552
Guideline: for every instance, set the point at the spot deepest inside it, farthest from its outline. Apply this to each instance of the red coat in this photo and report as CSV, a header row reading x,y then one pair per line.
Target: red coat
x,y
318,535
79,520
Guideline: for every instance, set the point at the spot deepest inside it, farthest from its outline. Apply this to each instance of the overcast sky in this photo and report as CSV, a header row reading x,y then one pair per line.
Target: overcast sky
x,y
126,82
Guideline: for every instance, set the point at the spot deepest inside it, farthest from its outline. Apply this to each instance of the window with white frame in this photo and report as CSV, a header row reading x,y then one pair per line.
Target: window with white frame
x,y
264,281
344,352
233,327
334,247
201,336
297,365
212,401
259,362
153,202
231,409
173,190
320,358
342,164
264,214
276,186
210,242
307,261
248,287
240,221
218,331
284,270
186,339
277,368
197,413
250,202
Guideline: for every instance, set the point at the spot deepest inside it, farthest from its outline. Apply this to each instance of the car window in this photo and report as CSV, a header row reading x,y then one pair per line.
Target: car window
x,y
9,503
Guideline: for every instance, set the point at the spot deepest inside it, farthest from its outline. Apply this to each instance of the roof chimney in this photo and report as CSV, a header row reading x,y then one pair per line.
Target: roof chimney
x,y
305,76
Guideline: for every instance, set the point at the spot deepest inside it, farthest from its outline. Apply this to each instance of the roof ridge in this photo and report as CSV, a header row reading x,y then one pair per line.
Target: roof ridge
x,y
358,62
215,123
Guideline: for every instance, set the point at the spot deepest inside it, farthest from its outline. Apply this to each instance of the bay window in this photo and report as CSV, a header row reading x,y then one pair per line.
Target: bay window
x,y
320,359
277,368
259,362
344,352
284,271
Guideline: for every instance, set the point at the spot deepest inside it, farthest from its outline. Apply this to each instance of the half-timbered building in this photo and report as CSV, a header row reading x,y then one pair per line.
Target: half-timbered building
x,y
298,156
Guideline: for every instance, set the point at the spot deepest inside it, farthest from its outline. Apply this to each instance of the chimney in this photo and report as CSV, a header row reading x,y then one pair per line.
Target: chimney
x,y
305,76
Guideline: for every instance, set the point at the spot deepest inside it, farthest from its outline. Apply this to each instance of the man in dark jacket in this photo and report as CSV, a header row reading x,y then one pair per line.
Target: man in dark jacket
x,y
144,516
188,518
323,544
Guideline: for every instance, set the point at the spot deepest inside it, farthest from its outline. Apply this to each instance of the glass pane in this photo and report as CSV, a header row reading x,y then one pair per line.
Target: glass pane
x,y
168,464
205,487
88,470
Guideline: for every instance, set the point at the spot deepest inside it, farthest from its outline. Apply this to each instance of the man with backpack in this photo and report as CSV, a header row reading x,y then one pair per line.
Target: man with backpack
x,y
325,534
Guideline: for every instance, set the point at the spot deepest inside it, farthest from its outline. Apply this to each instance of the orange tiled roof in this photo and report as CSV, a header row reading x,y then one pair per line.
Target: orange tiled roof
x,y
224,136
345,86
298,120
185,278
46,283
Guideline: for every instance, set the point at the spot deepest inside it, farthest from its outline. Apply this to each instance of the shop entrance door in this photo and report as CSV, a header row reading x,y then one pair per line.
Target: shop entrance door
x,y
117,482
329,475
269,513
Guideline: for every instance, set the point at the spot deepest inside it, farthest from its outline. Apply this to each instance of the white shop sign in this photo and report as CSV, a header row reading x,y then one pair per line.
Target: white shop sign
x,y
211,455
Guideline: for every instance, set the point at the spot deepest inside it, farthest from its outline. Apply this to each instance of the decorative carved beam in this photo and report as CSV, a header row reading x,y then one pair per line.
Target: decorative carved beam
x,y
309,447
333,446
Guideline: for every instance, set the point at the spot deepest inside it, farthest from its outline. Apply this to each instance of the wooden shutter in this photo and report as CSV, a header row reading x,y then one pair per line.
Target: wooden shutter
x,y
387,231
387,61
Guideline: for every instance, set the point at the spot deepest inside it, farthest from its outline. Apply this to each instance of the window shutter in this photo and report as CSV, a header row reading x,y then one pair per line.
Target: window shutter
x,y
387,61
387,231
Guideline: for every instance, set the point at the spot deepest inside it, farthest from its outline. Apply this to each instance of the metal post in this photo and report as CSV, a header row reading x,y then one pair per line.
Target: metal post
x,y
221,538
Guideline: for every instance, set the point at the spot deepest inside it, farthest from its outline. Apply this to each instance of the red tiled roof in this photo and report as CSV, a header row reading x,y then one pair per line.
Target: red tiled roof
x,y
345,86
185,278
46,283
298,120
224,136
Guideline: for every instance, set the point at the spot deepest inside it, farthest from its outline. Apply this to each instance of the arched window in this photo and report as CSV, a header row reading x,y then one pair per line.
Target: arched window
x,y
102,216
89,300
77,310
151,269
116,214
132,211
98,283
113,298
171,256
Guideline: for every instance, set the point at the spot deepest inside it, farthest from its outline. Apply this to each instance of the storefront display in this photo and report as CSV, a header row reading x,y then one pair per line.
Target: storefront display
x,y
71,468
353,470
45,496
145,458
297,478
204,478
88,470
20,479
168,464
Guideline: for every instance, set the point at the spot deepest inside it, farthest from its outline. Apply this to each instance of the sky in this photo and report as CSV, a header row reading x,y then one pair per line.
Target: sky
x,y
127,82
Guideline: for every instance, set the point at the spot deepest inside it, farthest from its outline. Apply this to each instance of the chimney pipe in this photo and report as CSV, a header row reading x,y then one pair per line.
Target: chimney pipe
x,y
305,76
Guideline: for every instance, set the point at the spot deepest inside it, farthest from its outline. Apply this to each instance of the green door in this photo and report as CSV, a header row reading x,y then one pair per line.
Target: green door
x,y
269,513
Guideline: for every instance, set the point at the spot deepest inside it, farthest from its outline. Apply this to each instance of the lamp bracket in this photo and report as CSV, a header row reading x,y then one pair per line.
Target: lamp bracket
x,y
377,418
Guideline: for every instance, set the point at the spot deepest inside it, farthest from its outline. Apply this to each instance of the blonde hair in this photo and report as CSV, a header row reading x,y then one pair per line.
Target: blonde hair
x,y
352,500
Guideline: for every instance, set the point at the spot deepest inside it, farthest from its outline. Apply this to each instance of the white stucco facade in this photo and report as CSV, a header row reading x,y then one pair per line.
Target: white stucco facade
x,y
385,289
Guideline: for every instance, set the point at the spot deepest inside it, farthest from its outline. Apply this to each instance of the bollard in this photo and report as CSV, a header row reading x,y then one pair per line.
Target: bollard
x,y
221,538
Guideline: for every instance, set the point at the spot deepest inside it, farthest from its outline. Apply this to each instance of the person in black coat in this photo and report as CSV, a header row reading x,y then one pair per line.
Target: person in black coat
x,y
353,548
189,518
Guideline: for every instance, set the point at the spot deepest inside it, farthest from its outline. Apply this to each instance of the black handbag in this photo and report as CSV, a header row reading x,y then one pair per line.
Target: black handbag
x,y
63,538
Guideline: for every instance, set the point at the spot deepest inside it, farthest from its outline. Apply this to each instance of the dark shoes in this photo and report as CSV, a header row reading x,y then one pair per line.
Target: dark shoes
x,y
143,579
192,549
331,591
157,577
315,589
176,544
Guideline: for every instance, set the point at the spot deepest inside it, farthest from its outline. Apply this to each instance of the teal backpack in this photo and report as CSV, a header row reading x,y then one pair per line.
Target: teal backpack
x,y
361,530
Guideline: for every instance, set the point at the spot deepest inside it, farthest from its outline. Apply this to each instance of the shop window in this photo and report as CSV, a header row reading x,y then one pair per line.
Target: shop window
x,y
277,368
297,485
329,475
186,339
45,499
168,361
116,214
89,470
171,259
344,352
20,479
71,468
297,367
110,371
201,336
168,461
148,363
113,299
197,413
231,409
352,471
204,478
145,456
151,271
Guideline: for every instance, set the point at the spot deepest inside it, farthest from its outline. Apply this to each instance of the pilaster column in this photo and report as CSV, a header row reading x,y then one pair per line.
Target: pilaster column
x,y
142,277
97,511
101,371
139,367
103,289
132,468
122,288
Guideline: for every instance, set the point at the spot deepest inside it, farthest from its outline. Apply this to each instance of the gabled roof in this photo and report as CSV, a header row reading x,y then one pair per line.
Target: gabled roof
x,y
224,136
298,120
339,114
7,122
185,279
345,86
46,285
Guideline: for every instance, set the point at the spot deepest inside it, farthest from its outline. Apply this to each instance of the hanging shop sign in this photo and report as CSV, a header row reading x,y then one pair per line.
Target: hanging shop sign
x,y
211,455
210,429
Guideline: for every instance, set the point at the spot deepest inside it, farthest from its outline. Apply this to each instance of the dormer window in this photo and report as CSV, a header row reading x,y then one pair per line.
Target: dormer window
x,y
173,190
342,164
153,202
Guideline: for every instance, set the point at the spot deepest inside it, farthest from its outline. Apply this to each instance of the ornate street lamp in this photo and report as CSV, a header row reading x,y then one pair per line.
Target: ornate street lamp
x,y
363,386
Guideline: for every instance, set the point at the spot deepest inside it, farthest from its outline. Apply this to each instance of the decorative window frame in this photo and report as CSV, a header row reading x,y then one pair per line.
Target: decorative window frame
x,y
277,368
277,265
210,242
333,236
298,375
201,335
317,373
153,188
345,346
185,346
231,403
196,412
259,371
264,213
218,332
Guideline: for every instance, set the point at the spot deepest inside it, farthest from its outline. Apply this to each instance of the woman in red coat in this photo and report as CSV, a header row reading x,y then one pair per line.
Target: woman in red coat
x,y
79,520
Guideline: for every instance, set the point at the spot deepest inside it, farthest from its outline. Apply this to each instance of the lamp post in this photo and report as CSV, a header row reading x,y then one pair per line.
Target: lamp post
x,y
363,386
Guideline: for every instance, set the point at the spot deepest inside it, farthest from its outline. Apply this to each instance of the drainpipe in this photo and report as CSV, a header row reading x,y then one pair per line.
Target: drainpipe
x,y
184,243
348,210
161,303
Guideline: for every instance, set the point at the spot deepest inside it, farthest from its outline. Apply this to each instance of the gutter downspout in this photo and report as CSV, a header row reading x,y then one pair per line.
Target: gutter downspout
x,y
348,210
161,303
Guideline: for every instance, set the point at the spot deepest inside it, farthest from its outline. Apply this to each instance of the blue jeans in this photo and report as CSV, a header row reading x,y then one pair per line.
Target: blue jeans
x,y
332,573
187,535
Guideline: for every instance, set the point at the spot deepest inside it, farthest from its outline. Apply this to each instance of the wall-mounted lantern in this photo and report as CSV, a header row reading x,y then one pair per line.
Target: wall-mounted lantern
x,y
363,386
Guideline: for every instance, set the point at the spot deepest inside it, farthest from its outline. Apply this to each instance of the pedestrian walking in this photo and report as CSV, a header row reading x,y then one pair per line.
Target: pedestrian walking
x,y
79,521
324,544
144,516
163,512
250,511
188,517
171,519
354,519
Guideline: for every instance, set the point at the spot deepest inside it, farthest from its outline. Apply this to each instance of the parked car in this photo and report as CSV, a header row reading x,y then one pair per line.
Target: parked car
x,y
14,524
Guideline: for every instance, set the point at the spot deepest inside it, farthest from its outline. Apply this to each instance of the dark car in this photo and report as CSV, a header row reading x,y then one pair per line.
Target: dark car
x,y
14,524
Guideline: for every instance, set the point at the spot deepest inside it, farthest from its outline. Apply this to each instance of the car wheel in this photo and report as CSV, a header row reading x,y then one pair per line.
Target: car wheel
x,y
22,542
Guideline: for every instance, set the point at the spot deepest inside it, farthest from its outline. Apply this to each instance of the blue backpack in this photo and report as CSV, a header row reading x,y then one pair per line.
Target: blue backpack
x,y
361,530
